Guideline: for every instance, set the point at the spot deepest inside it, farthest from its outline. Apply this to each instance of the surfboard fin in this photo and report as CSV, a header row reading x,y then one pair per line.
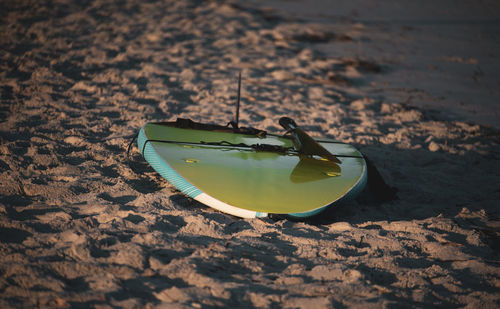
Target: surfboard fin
x,y
235,122
305,144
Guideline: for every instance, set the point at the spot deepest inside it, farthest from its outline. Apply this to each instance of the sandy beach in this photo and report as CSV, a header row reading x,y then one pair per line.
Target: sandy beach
x,y
82,225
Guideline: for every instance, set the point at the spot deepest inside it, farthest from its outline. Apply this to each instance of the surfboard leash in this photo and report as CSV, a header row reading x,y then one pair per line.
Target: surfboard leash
x,y
256,147
130,146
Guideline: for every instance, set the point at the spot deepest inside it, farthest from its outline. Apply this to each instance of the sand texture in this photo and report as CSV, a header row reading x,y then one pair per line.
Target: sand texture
x,y
83,226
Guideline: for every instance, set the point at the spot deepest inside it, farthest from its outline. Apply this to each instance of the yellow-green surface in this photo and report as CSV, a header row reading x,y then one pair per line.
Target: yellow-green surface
x,y
258,181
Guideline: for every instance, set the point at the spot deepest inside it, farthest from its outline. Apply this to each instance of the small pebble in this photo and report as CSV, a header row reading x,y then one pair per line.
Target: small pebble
x,y
433,146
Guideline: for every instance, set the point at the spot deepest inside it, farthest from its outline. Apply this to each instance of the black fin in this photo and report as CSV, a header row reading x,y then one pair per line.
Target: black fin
x,y
379,189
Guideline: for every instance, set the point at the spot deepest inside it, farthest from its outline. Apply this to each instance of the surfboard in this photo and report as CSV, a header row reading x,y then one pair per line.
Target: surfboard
x,y
250,174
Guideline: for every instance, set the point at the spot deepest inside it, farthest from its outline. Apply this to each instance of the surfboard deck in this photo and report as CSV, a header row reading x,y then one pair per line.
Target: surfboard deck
x,y
211,168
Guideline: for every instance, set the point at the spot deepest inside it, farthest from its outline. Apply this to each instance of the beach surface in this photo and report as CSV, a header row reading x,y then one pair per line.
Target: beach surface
x,y
82,224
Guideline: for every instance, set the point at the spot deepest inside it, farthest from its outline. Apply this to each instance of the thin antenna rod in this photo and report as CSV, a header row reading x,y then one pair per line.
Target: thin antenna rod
x,y
237,115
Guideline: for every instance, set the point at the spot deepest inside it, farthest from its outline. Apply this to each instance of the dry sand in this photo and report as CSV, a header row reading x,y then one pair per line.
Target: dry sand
x,y
81,226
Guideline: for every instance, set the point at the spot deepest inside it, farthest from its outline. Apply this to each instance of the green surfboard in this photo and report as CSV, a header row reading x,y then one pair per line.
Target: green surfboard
x,y
230,172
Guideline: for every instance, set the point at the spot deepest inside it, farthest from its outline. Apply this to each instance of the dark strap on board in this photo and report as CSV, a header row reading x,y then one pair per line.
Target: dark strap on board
x,y
184,123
